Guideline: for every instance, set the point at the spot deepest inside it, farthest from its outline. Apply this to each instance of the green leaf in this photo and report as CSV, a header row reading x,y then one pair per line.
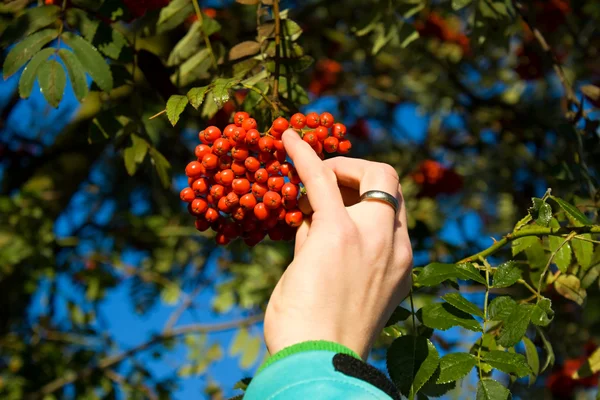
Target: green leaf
x,y
163,167
489,389
533,359
523,243
196,67
26,49
221,88
562,259
411,361
433,389
590,367
569,286
511,363
210,26
584,251
572,211
501,308
76,73
32,20
515,325
175,106
29,74
238,342
458,4
454,366
542,313
444,316
187,46
541,212
590,277
135,154
549,351
173,15
291,30
251,352
196,95
463,304
242,384
92,61
399,314
52,81
170,293
506,275
436,273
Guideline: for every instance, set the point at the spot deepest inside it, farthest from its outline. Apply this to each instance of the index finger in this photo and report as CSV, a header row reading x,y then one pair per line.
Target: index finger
x,y
319,180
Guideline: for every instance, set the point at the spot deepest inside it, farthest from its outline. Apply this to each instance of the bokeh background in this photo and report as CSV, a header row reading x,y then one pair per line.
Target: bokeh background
x,y
97,260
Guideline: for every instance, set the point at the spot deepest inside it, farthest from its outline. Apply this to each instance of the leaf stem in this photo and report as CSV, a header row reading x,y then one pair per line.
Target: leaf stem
x,y
412,309
264,96
529,287
543,275
485,314
204,35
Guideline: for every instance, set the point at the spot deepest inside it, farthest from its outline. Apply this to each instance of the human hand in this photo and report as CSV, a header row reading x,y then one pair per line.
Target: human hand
x,y
352,261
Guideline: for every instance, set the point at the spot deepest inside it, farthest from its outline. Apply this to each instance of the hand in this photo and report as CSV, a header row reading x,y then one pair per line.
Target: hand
x,y
352,261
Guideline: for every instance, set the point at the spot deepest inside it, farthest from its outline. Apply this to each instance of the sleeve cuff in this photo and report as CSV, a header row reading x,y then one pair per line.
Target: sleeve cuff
x,y
311,345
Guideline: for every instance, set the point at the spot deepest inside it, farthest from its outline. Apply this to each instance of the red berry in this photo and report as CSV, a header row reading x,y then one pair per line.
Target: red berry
x,y
338,131
225,162
280,124
227,177
261,175
312,120
202,224
272,167
193,169
221,146
270,222
239,117
252,164
248,201
280,212
331,144
272,200
210,161
222,239
249,123
284,169
190,181
326,119
344,146
240,153
228,131
239,135
222,205
261,212
265,144
254,238
187,195
264,157
289,191
298,120
318,148
294,177
280,155
231,230
321,133
259,189
211,134
201,150
239,213
289,204
252,137
294,218
250,176
275,183
249,224
239,168
310,138
278,145
200,186
276,233
240,186
198,206
217,191
232,199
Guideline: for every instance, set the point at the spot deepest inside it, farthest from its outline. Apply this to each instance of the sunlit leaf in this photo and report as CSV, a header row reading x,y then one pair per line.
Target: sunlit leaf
x,y
454,366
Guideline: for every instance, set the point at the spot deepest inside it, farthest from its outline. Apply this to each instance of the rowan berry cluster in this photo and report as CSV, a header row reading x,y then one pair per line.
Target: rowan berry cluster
x,y
242,184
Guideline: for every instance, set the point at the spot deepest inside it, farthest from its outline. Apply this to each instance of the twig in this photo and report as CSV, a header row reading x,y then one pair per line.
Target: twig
x,y
543,275
112,375
485,314
541,231
158,114
277,48
111,361
174,317
529,287
204,35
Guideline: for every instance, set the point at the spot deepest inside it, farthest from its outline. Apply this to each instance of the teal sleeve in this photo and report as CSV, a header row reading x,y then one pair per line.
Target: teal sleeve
x,y
307,371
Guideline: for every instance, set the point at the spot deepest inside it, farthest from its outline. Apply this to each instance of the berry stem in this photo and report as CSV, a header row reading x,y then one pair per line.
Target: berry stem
x,y
264,96
204,35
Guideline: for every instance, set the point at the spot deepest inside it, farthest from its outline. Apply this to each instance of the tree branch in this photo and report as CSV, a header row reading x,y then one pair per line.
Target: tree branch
x,y
277,48
111,361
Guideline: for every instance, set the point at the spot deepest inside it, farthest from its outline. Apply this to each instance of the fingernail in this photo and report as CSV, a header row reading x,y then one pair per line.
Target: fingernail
x,y
289,135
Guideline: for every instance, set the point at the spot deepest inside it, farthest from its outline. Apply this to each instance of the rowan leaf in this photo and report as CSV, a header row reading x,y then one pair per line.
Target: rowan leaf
x,y
533,359
511,363
444,316
411,361
542,313
454,366
572,211
53,80
489,389
399,314
436,273
501,308
26,49
91,59
29,75
175,106
515,325
458,301
76,73
507,274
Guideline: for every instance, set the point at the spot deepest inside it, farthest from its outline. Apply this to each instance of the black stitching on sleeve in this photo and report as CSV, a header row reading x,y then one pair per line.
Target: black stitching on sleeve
x,y
355,368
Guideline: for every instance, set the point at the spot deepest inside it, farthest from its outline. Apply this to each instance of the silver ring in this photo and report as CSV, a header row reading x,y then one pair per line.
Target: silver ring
x,y
381,196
